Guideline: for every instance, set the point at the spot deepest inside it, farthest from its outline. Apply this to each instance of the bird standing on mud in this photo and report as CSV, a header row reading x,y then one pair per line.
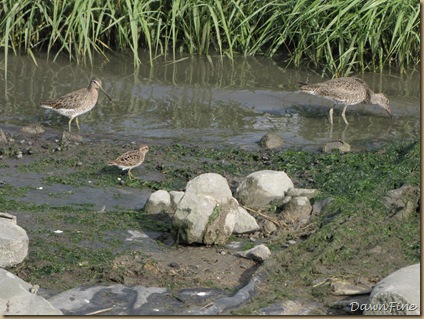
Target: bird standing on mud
x,y
347,91
131,159
78,102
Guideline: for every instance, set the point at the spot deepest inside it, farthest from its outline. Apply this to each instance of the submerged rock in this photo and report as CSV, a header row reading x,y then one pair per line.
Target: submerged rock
x,y
339,145
270,140
33,129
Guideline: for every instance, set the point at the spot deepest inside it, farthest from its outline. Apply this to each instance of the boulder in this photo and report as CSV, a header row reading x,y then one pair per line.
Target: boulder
x,y
261,188
18,297
305,192
175,199
245,223
207,212
270,140
13,241
258,253
397,294
159,201
297,211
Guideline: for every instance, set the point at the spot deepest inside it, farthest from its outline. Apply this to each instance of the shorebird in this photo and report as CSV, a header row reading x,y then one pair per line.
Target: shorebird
x,y
346,91
131,159
78,102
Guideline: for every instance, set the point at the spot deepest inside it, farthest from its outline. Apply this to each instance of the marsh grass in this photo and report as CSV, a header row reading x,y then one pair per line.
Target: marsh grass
x,y
338,37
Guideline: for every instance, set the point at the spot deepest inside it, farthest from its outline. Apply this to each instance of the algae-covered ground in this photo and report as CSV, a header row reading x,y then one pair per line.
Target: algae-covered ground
x,y
67,186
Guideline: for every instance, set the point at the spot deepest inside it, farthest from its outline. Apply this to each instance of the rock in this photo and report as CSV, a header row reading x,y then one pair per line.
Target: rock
x,y
207,212
245,223
339,145
17,297
319,206
71,137
297,211
159,201
258,253
270,140
13,241
402,201
33,129
261,188
268,227
343,287
304,192
3,138
175,199
397,294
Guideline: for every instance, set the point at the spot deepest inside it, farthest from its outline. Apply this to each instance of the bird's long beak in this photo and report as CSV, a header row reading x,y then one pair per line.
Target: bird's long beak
x,y
105,93
389,110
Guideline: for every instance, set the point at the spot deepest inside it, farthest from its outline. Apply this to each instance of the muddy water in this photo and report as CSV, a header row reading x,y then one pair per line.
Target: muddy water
x,y
210,102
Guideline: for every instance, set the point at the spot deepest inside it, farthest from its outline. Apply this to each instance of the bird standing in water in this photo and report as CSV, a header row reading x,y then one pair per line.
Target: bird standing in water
x,y
131,159
347,91
78,102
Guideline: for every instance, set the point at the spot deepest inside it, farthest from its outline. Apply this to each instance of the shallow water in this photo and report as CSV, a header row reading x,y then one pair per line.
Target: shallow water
x,y
206,102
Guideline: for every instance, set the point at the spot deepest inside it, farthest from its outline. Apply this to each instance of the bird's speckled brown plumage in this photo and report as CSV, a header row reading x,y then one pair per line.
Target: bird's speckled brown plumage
x,y
77,102
131,159
347,91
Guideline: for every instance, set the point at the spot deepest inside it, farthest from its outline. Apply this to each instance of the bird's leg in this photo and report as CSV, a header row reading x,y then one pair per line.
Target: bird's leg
x,y
76,120
130,175
331,116
69,125
344,115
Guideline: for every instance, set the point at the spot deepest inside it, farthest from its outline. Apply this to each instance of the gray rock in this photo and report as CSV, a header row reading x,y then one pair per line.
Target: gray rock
x,y
159,201
13,241
175,198
268,227
343,287
341,146
397,294
261,188
304,192
319,206
258,253
18,297
297,211
270,140
71,137
402,201
33,129
207,212
245,223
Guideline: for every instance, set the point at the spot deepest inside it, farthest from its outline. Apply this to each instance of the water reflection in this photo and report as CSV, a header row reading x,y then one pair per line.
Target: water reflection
x,y
206,101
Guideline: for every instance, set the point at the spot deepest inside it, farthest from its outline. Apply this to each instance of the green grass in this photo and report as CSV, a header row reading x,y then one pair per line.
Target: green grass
x,y
338,37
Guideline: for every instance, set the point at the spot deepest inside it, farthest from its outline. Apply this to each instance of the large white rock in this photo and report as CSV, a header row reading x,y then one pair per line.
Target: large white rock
x,y
159,201
258,253
16,298
260,188
396,294
245,223
13,241
207,212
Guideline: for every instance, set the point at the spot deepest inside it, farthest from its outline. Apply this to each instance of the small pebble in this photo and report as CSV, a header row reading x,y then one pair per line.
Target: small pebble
x,y
291,242
79,163
252,239
174,265
22,141
30,143
19,154
222,252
